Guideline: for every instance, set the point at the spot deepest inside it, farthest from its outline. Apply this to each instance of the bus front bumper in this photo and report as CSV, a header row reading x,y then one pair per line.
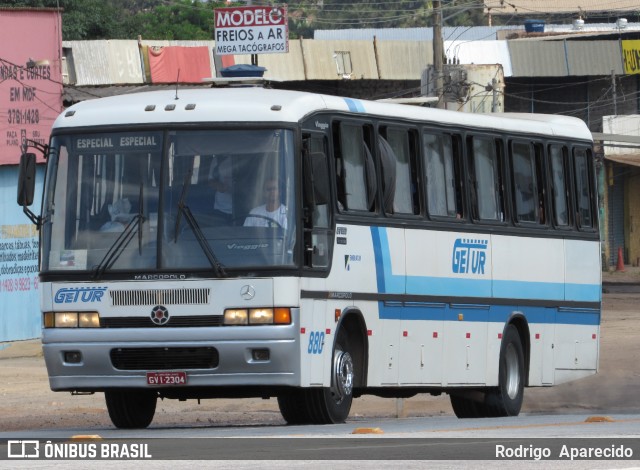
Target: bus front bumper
x,y
96,360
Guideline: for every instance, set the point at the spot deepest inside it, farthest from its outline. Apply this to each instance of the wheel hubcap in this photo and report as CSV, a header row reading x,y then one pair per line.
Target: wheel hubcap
x,y
342,383
513,372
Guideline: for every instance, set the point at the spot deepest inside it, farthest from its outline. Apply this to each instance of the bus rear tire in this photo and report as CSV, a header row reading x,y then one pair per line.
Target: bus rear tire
x,y
131,409
506,399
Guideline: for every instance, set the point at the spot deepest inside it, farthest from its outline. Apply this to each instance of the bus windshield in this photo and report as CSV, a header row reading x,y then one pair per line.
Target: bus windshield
x,y
180,200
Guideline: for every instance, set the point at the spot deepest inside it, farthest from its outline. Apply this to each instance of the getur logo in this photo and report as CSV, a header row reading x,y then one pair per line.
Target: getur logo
x,y
469,256
70,295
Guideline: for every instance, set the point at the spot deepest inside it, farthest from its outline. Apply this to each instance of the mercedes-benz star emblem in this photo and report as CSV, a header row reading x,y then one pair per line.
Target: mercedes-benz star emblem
x,y
247,292
159,315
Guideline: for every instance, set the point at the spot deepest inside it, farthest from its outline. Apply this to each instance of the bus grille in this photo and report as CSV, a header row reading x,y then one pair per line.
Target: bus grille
x,y
126,298
164,358
175,321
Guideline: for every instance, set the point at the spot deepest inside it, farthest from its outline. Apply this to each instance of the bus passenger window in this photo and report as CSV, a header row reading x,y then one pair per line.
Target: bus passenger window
x,y
583,188
486,176
355,170
527,186
559,185
398,164
442,176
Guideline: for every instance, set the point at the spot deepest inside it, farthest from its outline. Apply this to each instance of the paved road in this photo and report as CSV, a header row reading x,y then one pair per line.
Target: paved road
x,y
443,439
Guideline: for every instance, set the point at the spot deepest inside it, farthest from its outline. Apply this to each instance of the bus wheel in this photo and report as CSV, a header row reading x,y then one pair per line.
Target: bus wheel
x,y
464,407
506,400
293,407
131,409
332,405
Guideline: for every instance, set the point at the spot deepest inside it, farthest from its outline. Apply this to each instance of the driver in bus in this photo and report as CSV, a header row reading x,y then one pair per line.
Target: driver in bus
x,y
272,213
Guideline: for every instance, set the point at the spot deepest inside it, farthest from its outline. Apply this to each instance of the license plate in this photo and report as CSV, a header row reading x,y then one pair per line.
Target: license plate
x,y
166,378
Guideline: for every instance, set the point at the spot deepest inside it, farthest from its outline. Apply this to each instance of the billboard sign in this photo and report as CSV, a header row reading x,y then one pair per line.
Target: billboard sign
x,y
251,30
30,78
631,56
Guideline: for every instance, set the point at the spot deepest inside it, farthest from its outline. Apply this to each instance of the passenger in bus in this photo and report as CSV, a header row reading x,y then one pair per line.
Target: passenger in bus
x,y
220,179
120,213
272,213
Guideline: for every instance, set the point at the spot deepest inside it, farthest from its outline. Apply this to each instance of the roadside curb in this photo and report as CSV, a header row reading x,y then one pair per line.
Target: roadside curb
x,y
16,349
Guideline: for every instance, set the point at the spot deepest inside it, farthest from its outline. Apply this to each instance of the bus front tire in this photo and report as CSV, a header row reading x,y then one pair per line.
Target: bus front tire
x,y
324,405
131,409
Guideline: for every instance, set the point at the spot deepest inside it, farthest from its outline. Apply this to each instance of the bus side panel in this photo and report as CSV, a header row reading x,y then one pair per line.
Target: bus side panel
x,y
530,269
353,273
454,268
578,329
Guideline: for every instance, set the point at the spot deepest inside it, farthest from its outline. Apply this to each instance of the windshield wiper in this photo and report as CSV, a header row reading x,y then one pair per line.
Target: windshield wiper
x,y
114,252
218,267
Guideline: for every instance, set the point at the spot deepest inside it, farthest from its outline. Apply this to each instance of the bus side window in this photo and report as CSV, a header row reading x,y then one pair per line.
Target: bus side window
x,y
398,165
320,216
355,170
388,165
486,178
442,175
583,187
527,181
559,185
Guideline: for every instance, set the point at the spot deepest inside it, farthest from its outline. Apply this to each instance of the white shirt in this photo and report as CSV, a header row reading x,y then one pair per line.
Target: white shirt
x,y
279,215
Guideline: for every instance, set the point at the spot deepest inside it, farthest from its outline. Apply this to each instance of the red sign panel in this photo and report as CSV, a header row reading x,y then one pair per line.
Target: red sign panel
x,y
30,78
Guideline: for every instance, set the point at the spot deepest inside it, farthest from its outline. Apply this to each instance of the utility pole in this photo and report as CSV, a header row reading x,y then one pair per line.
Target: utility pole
x,y
494,101
438,52
615,93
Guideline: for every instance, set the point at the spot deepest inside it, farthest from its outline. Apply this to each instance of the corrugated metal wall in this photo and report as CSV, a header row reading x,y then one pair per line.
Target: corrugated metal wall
x,y
119,62
320,59
403,60
580,58
106,62
538,58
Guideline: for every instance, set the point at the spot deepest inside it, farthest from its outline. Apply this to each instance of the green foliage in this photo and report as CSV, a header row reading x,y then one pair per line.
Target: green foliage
x,y
193,19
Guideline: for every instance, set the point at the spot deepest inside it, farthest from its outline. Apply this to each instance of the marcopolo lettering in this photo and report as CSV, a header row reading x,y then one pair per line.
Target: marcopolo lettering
x,y
69,295
469,256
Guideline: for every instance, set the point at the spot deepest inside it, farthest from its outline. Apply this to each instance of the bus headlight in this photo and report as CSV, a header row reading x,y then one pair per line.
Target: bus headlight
x,y
236,316
261,316
71,320
257,316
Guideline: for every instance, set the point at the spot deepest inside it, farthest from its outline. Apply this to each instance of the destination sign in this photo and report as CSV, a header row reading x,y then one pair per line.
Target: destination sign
x,y
113,142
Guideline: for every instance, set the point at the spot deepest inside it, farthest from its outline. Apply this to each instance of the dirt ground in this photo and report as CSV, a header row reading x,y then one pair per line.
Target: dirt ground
x,y
26,402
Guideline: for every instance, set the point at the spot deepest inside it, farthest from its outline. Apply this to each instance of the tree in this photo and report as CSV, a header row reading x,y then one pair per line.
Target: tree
x,y
193,19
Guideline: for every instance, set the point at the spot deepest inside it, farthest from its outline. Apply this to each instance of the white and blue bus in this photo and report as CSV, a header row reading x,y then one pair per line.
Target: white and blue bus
x,y
248,242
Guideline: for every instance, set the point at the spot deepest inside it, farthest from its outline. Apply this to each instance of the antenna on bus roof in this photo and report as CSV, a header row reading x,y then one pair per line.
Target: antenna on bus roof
x,y
177,81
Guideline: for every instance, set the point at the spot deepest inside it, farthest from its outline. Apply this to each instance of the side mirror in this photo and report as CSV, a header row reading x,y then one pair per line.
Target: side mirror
x,y
26,179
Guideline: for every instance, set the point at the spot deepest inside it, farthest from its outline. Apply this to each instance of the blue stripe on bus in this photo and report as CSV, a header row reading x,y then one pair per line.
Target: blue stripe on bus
x,y
455,286
355,106
490,313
